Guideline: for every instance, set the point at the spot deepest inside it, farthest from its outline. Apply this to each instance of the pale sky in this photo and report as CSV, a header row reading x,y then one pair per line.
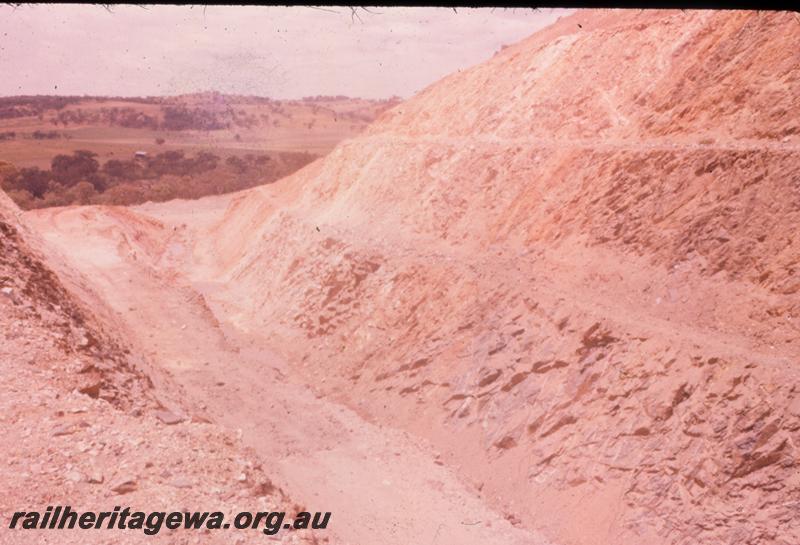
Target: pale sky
x,y
280,52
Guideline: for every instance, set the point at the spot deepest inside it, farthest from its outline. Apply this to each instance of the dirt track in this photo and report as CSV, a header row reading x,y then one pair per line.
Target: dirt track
x,y
375,480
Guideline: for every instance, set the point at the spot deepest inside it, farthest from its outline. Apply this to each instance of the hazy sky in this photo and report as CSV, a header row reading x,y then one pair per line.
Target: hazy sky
x,y
270,51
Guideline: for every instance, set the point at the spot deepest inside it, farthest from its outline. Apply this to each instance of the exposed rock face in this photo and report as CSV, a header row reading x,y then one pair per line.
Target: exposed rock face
x,y
574,268
80,420
101,366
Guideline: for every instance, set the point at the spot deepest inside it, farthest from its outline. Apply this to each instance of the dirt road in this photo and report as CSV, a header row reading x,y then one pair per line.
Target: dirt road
x,y
381,485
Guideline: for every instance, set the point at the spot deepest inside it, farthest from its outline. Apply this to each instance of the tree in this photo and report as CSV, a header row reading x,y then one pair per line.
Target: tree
x,y
69,170
31,179
122,170
98,181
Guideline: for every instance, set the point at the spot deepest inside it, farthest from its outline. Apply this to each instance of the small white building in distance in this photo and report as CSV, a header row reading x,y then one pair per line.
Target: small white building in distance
x,y
140,155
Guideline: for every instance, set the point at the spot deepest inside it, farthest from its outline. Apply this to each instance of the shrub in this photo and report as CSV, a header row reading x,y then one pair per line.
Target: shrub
x,y
81,193
6,169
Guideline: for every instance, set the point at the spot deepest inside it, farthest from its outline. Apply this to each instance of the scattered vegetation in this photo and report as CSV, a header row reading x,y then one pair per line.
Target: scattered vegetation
x,y
46,135
79,178
206,112
141,157
36,135
32,106
117,116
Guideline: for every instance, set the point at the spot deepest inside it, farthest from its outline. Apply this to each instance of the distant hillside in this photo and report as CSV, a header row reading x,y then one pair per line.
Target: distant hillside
x,y
202,111
60,150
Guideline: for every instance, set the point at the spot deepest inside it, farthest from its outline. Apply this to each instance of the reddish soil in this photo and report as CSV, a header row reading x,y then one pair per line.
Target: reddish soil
x,y
550,299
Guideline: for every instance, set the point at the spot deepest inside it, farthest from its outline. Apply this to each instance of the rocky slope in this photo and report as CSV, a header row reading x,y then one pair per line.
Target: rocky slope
x,y
573,268
83,424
